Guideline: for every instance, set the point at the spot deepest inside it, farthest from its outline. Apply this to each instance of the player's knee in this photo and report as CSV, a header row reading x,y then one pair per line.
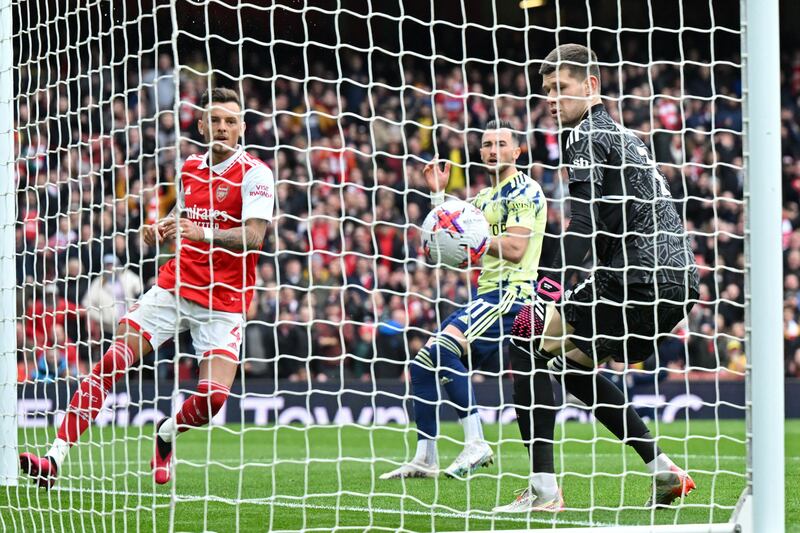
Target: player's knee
x,y
521,360
421,367
445,348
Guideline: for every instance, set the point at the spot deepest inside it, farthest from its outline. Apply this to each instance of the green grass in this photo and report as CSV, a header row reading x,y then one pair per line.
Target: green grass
x,y
278,478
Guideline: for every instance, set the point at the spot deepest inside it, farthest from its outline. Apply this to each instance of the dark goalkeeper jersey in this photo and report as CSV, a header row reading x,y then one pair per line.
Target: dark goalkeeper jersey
x,y
638,235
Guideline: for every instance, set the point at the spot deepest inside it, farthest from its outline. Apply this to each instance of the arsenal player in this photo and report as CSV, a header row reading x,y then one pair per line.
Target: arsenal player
x,y
225,203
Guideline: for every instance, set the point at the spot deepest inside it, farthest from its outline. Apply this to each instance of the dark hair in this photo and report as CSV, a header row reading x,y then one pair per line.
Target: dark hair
x,y
503,125
576,58
219,95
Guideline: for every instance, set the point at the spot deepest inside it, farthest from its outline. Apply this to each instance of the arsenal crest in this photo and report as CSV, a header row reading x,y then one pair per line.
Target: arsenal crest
x,y
222,192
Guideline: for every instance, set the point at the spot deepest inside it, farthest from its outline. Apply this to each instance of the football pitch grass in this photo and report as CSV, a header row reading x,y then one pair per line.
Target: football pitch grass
x,y
326,478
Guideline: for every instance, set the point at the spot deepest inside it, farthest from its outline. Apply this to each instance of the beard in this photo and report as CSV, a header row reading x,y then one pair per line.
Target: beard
x,y
499,168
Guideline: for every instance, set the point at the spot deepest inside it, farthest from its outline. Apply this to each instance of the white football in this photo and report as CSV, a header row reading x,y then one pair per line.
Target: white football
x,y
455,234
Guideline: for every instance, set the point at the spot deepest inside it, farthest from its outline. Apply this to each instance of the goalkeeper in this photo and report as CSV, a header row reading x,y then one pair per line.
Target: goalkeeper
x,y
516,211
641,287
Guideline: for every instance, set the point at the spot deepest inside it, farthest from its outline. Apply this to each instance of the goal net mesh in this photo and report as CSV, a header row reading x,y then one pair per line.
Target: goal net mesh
x,y
346,101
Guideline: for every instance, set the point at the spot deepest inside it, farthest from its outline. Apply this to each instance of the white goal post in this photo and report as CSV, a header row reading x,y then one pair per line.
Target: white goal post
x,y
8,285
314,398
761,53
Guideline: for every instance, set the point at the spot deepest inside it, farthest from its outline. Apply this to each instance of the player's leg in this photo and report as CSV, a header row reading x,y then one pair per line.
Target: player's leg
x,y
626,333
217,372
486,326
147,323
441,361
535,405
438,361
217,338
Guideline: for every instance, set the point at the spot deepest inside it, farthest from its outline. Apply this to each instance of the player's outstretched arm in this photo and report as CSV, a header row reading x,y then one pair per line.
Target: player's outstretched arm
x,y
247,237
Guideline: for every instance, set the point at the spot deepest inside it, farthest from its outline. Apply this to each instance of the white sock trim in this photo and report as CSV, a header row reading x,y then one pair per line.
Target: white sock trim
x,y
167,430
544,484
58,451
661,463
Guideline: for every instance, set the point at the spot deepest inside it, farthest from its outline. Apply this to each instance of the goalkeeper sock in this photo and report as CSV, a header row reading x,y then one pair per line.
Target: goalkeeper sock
x,y
613,414
537,409
544,485
201,407
88,400
661,463
445,352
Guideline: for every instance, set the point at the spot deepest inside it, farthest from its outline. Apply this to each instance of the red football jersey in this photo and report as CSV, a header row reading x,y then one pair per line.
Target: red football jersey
x,y
222,196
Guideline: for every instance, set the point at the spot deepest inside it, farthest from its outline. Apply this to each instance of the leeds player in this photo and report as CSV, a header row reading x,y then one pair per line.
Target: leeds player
x,y
226,203
641,286
515,208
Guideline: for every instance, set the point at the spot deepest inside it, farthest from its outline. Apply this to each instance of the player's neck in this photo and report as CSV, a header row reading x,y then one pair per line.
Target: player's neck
x,y
593,102
220,157
496,179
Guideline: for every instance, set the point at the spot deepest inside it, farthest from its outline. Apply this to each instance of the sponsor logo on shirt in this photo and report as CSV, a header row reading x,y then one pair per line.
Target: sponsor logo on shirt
x,y
261,190
582,162
203,213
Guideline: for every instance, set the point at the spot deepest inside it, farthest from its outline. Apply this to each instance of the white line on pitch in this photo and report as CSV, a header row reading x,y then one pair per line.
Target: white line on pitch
x,y
475,514
269,461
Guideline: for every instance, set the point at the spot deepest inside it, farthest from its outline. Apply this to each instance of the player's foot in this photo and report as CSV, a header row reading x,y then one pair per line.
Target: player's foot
x,y
473,456
413,469
162,458
43,470
669,486
527,501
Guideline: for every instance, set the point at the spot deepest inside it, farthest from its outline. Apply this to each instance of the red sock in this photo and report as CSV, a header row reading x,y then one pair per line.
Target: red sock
x,y
91,394
201,407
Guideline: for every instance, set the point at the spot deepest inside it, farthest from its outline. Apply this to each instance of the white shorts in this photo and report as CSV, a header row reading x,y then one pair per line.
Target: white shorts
x,y
159,315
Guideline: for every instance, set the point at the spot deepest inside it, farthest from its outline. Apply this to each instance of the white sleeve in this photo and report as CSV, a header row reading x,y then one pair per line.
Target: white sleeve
x,y
258,193
180,201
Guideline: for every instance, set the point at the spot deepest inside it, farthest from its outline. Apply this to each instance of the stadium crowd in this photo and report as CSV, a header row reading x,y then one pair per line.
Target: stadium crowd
x,y
343,289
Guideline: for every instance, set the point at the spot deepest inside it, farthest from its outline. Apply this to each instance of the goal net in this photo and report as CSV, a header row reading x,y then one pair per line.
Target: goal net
x,y
346,101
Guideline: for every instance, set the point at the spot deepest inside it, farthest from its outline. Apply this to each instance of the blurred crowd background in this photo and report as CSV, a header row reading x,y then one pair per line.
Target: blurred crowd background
x,y
343,288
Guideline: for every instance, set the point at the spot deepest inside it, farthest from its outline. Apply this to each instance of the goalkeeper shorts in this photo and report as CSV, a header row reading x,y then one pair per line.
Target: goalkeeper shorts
x,y
625,323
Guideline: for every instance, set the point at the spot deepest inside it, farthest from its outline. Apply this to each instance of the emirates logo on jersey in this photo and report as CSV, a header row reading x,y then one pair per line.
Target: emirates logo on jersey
x,y
203,213
222,192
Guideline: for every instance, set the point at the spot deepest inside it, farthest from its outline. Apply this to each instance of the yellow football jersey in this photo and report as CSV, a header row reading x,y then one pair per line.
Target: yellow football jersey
x,y
518,200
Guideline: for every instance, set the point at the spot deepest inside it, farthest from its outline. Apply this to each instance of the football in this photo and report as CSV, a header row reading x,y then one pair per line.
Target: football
x,y
455,234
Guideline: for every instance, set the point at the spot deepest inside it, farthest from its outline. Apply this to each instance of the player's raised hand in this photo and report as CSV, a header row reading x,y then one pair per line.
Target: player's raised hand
x,y
435,177
190,230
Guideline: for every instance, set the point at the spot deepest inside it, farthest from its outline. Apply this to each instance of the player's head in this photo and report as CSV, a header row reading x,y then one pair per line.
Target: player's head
x,y
221,123
571,82
499,146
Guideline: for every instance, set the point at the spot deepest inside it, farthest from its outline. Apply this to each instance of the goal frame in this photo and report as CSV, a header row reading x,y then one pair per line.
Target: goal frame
x,y
762,505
